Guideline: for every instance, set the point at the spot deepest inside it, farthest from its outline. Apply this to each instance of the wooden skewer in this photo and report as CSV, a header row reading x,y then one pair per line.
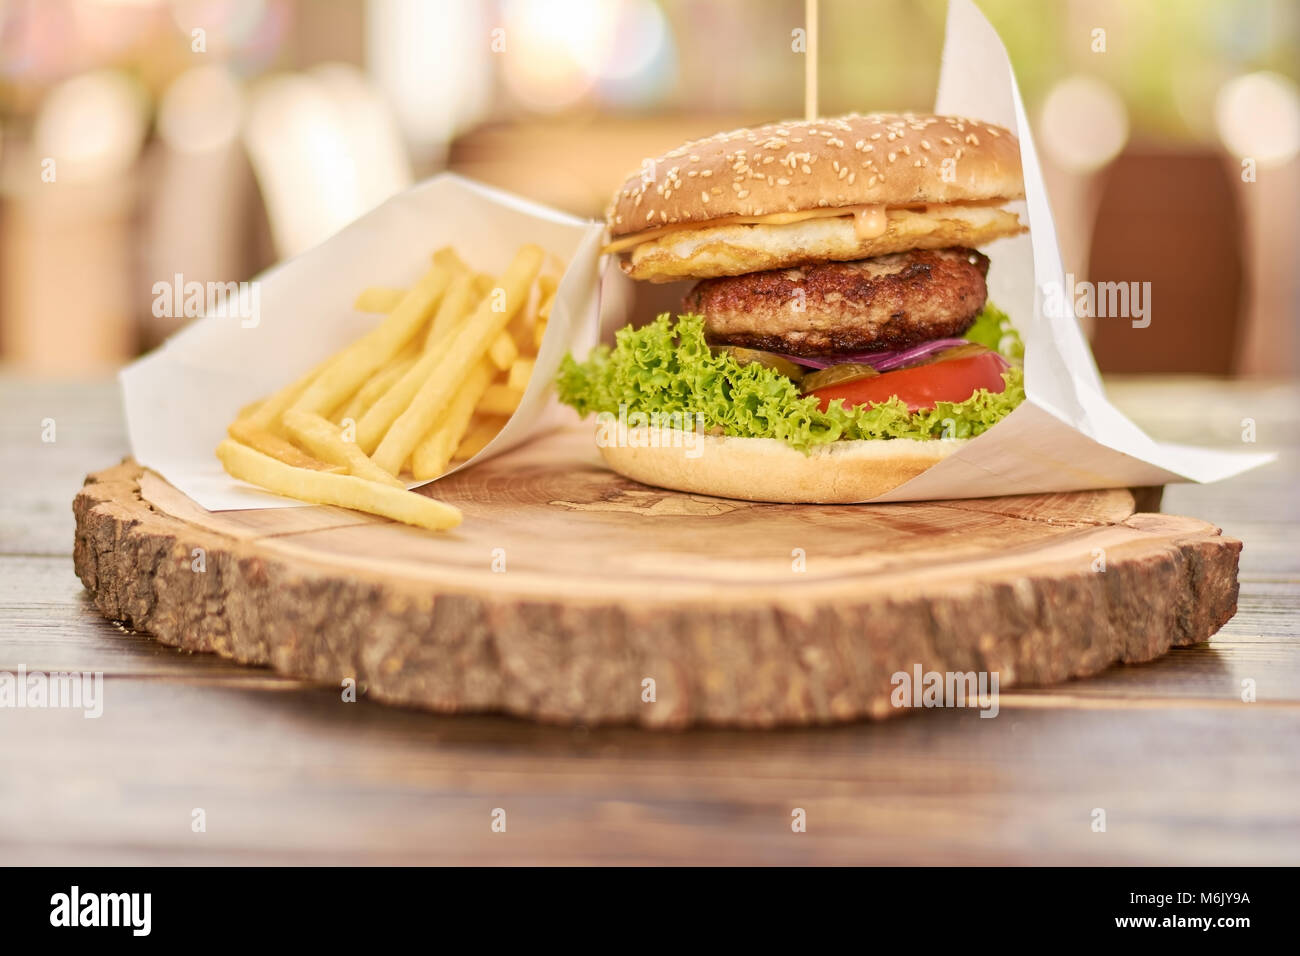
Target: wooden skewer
x,y
810,61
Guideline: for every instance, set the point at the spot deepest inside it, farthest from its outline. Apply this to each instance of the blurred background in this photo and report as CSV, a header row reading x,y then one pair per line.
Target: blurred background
x,y
140,139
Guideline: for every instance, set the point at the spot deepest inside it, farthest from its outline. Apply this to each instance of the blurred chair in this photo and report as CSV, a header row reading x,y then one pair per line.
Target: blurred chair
x,y
1171,219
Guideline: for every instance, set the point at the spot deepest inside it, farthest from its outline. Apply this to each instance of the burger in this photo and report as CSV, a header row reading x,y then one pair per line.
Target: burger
x,y
837,339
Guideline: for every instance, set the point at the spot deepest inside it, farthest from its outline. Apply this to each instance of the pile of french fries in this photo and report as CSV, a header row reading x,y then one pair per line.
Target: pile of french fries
x,y
425,389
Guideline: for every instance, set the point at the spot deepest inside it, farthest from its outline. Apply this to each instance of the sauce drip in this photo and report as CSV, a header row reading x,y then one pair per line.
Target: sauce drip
x,y
870,222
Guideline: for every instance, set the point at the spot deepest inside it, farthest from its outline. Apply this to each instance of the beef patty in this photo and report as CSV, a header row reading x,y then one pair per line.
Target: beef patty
x,y
889,302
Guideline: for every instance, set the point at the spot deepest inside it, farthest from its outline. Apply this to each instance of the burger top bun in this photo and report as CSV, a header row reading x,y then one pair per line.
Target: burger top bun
x,y
892,159
766,469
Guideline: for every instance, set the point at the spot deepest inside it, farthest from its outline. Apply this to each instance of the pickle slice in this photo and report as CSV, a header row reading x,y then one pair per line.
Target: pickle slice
x,y
766,359
957,351
836,375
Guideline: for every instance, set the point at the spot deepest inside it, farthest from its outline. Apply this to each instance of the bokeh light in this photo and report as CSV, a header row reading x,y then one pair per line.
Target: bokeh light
x,y
640,60
1258,116
201,110
553,50
92,125
1084,124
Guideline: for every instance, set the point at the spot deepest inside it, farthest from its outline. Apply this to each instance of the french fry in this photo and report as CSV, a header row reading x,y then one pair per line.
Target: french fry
x,y
365,356
344,491
384,379
462,352
539,332
245,432
500,400
324,440
521,370
268,413
378,299
381,414
477,438
374,387
503,351
544,308
433,454
248,410
456,305
448,258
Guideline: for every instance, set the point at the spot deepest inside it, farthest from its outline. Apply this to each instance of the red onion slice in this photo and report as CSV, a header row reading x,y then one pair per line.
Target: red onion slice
x,y
880,361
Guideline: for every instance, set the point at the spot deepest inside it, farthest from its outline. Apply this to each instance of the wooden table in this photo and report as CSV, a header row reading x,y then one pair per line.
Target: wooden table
x,y
288,773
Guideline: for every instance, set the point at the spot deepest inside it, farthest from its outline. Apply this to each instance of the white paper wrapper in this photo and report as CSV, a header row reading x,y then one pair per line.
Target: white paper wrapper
x,y
1066,436
180,398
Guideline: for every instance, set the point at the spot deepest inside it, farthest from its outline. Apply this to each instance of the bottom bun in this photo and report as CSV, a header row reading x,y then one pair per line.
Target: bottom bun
x,y
765,469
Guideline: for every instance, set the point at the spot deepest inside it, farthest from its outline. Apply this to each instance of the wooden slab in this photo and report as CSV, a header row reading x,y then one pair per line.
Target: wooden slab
x,y
568,586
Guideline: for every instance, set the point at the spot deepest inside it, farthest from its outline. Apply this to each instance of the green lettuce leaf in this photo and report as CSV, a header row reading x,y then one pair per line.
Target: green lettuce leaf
x,y
668,369
993,330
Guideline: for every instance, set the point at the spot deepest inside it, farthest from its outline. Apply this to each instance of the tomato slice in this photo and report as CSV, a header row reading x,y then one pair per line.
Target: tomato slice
x,y
953,380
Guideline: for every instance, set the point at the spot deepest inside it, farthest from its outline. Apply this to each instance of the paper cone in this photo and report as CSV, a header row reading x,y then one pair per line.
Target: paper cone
x,y
180,398
1065,436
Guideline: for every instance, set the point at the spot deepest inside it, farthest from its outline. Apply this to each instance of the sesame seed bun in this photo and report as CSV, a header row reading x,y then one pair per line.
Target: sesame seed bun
x,y
891,159
766,469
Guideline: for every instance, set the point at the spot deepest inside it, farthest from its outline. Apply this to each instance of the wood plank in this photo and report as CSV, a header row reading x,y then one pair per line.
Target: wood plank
x,y
303,777
39,475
